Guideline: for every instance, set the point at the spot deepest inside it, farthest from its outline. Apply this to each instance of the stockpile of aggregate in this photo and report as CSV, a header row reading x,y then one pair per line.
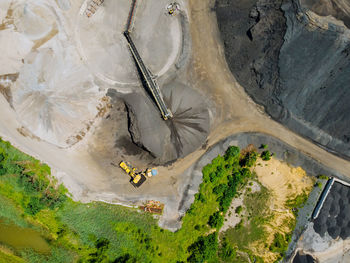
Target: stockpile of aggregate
x,y
294,61
175,137
334,217
303,258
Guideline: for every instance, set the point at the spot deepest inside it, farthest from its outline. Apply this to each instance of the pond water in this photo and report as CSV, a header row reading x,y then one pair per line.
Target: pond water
x,y
20,238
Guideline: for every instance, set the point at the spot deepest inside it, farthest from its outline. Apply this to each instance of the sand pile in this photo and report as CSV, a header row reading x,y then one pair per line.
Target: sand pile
x,y
105,49
55,97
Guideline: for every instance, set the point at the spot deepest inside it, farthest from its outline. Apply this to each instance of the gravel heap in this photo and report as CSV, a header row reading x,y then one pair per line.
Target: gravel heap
x,y
293,62
303,258
334,217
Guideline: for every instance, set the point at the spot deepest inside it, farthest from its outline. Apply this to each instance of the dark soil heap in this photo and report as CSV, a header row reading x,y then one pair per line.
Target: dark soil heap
x,y
302,258
297,67
334,216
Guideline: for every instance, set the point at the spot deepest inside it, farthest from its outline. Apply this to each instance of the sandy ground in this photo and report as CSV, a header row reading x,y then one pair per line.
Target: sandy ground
x,y
285,183
89,179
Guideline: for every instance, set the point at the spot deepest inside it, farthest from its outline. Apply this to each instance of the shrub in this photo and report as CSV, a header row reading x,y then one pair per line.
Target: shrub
x,y
216,220
127,258
226,252
249,159
266,155
220,189
280,244
323,177
263,146
100,254
239,209
204,249
34,205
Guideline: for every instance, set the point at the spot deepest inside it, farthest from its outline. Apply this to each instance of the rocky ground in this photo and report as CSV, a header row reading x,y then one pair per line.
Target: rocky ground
x,y
297,83
327,237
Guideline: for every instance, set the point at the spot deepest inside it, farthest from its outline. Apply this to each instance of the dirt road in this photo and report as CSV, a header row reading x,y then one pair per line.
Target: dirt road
x,y
238,112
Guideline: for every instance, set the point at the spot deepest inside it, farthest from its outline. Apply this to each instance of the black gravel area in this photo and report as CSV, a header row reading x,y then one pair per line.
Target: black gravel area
x,y
334,217
300,76
303,258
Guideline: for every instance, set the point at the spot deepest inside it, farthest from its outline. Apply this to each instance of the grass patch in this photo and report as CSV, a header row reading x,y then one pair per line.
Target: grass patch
x,y
247,232
99,232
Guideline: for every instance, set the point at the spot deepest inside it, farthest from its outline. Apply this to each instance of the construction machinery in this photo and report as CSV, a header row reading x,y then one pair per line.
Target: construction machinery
x,y
92,7
173,8
154,207
137,178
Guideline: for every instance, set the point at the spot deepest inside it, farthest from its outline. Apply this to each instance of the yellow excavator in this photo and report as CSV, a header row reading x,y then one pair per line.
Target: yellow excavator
x,y
137,179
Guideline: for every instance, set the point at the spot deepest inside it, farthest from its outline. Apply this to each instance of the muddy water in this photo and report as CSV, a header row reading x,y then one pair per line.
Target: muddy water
x,y
20,238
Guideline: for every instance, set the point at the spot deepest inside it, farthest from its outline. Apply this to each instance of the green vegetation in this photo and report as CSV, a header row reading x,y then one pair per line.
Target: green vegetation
x,y
249,159
98,232
323,177
280,244
266,155
297,203
204,249
226,252
239,209
252,230
263,146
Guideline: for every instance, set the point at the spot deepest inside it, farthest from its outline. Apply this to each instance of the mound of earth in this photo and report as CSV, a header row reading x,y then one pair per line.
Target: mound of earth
x,y
303,258
334,216
339,9
55,97
176,137
294,62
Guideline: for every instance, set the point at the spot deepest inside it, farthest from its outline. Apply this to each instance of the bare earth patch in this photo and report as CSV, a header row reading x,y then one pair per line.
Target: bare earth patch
x,y
261,219
284,183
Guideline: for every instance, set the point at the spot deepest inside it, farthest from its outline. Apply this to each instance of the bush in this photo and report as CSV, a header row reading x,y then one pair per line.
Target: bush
x,y
226,252
266,155
249,159
239,209
204,249
34,205
216,220
232,155
127,258
280,244
200,197
323,177
220,189
100,254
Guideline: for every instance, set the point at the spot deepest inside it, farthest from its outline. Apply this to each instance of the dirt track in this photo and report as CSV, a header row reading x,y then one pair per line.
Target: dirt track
x,y
238,112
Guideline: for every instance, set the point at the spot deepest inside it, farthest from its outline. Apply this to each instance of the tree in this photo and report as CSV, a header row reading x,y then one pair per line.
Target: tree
x,y
216,220
232,154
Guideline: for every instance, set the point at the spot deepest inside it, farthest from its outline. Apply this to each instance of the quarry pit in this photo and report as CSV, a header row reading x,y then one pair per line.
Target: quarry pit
x,y
73,98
